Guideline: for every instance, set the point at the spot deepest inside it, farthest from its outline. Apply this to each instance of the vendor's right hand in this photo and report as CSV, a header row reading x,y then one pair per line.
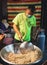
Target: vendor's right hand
x,y
20,36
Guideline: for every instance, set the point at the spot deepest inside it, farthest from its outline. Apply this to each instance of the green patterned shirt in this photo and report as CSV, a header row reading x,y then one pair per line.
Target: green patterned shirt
x,y
24,25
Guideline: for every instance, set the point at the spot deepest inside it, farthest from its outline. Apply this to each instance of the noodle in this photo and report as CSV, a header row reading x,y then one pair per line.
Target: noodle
x,y
26,58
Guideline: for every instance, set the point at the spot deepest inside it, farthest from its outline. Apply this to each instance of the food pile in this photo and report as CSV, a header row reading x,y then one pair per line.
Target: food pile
x,y
29,57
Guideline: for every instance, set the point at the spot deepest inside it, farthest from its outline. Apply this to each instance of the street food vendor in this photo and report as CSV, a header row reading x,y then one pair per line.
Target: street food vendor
x,y
23,23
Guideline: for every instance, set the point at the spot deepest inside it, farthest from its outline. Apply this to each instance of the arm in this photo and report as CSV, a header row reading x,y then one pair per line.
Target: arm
x,y
16,25
17,31
35,32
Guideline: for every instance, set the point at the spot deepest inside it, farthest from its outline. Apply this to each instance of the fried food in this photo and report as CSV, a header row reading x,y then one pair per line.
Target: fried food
x,y
26,58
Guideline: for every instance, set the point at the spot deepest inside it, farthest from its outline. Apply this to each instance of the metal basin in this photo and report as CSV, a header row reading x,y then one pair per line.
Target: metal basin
x,y
10,48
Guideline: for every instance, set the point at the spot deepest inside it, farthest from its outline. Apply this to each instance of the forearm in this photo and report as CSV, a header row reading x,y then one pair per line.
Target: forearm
x,y
33,33
16,29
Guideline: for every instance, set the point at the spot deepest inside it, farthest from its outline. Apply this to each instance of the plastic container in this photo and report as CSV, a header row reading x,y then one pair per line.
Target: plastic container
x,y
41,40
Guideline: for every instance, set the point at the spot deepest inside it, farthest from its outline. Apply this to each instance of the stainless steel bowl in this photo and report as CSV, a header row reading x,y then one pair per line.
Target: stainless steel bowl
x,y
10,48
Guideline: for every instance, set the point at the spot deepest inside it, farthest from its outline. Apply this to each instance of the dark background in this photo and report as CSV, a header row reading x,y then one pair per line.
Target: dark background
x,y
44,18
3,9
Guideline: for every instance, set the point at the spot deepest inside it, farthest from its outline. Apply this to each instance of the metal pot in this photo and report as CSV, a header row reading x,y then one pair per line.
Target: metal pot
x,y
10,48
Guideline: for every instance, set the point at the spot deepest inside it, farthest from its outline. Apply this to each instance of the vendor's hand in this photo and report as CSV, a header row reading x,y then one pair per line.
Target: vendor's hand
x,y
20,36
